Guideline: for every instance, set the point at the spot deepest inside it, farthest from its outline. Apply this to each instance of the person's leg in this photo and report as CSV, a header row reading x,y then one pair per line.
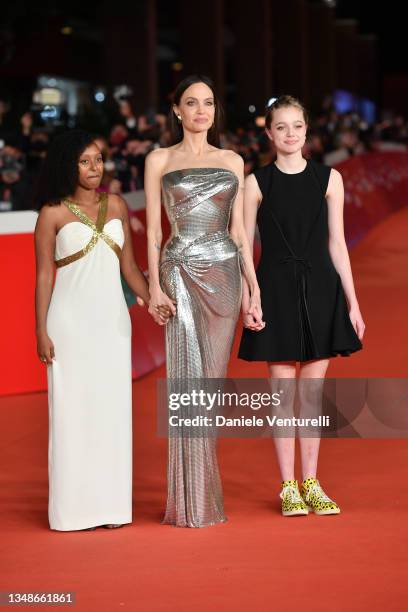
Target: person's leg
x,y
283,381
310,396
282,377
311,383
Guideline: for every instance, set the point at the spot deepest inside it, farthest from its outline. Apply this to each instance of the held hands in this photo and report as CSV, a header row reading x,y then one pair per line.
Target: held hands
x,y
252,313
357,321
161,307
45,348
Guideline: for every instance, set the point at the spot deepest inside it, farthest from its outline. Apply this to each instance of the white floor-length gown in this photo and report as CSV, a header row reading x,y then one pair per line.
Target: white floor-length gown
x,y
89,382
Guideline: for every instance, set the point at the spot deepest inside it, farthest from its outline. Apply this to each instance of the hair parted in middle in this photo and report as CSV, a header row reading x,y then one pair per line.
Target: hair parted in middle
x,y
175,125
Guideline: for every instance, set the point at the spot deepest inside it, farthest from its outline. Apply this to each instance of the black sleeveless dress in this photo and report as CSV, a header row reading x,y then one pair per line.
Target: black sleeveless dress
x,y
302,297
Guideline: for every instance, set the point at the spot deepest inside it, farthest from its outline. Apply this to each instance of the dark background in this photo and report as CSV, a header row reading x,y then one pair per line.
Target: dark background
x,y
253,50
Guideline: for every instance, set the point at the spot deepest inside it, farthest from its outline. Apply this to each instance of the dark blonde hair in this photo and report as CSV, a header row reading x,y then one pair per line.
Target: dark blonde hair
x,y
283,102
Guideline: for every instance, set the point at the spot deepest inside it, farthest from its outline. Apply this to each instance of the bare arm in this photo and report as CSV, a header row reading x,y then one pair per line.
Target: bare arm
x,y
338,248
244,239
45,232
129,268
252,200
155,163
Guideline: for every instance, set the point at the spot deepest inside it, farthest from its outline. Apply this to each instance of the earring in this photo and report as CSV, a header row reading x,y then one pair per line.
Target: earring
x,y
179,118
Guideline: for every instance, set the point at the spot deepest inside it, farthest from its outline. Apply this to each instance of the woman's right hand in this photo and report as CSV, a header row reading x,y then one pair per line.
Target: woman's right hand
x,y
252,313
161,306
45,348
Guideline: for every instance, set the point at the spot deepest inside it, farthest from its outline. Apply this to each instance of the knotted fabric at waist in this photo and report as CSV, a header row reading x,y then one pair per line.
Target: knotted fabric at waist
x,y
305,263
198,256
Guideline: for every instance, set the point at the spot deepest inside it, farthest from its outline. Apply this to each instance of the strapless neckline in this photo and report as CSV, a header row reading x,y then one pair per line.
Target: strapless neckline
x,y
189,170
82,223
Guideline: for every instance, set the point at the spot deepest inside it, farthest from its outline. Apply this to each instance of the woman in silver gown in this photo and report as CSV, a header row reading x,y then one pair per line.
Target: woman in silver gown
x,y
197,276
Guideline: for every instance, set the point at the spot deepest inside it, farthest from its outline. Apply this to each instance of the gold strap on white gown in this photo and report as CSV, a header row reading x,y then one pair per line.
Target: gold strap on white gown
x,y
97,228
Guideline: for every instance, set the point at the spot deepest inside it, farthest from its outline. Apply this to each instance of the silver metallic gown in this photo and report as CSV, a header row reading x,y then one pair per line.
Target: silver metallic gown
x,y
200,269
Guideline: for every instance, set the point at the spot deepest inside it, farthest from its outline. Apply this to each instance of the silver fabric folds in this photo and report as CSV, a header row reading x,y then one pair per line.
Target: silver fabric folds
x,y
200,269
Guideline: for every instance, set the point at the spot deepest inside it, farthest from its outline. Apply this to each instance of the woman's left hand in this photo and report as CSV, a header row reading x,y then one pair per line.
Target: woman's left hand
x,y
357,322
163,310
252,314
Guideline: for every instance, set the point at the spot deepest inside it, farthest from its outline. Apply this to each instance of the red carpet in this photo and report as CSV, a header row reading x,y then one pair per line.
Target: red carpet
x,y
258,560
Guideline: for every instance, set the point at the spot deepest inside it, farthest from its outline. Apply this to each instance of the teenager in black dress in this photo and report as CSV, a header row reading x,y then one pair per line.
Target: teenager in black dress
x,y
308,299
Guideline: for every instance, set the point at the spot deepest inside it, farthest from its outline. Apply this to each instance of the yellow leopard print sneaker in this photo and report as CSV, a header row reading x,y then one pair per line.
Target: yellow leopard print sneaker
x,y
292,502
316,499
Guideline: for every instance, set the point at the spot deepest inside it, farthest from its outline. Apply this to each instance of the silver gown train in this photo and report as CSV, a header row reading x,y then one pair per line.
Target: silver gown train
x,y
200,269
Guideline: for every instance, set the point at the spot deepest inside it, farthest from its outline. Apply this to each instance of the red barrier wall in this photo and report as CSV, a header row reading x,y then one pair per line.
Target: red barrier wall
x,y
20,369
376,185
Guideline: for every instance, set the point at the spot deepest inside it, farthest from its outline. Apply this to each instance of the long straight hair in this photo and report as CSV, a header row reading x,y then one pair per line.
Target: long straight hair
x,y
176,127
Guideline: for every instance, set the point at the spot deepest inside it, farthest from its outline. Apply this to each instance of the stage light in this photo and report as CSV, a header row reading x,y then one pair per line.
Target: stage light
x,y
177,66
122,91
251,108
99,96
49,112
48,96
67,30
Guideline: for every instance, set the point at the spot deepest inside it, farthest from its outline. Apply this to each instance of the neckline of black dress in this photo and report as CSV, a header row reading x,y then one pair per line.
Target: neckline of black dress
x,y
292,173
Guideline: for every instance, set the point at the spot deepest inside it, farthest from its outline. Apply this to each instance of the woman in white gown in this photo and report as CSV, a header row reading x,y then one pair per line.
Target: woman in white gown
x,y
83,335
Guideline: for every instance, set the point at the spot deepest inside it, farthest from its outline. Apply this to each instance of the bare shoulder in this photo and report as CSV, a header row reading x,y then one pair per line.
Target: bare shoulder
x,y
158,157
50,211
253,194
233,159
335,184
117,206
50,216
335,175
251,182
156,163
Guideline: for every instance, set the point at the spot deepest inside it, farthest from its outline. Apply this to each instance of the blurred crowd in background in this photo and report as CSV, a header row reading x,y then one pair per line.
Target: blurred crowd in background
x,y
332,137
